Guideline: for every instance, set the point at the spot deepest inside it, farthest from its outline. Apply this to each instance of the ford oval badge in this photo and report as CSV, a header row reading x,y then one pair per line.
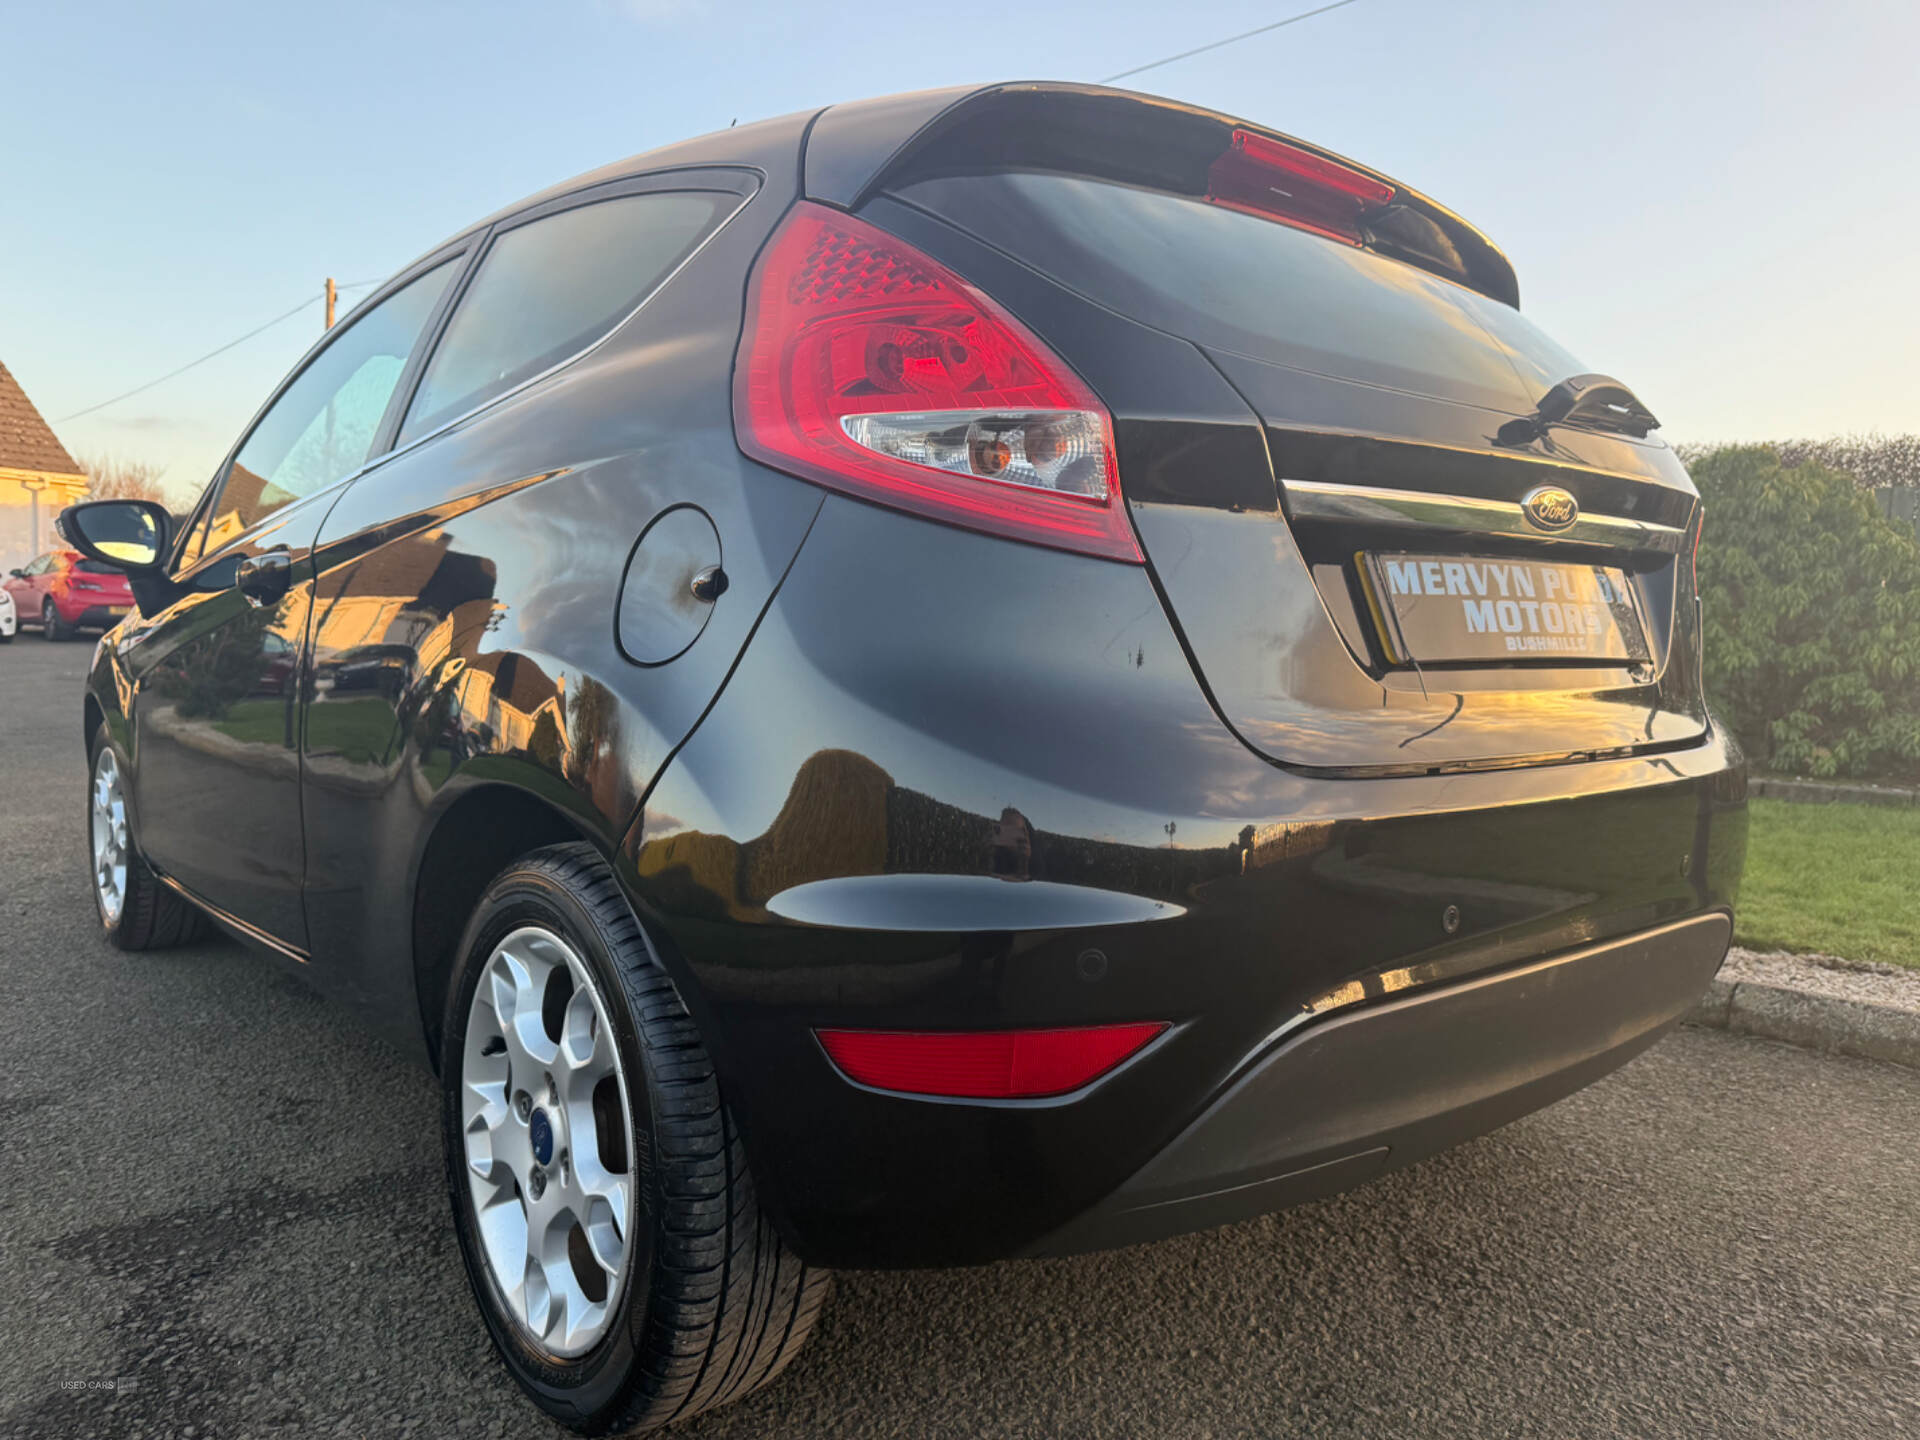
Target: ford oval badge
x,y
1551,508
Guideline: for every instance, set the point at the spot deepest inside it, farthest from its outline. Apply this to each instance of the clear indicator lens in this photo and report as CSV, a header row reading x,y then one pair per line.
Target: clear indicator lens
x,y
1060,450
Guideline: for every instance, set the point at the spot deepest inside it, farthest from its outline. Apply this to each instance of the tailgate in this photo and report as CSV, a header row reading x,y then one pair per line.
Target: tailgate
x,y
1451,573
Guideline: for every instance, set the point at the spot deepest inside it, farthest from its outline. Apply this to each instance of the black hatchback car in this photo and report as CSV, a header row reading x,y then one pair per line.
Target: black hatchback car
x,y
984,673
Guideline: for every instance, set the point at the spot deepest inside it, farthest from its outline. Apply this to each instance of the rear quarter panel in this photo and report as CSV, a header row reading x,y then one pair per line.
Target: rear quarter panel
x,y
464,612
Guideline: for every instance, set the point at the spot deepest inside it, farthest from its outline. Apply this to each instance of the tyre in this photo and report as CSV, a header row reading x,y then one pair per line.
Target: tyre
x,y
135,909
600,1191
51,625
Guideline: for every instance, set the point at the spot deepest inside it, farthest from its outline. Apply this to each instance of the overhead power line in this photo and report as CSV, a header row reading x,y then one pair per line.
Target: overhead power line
x,y
211,354
362,284
1230,40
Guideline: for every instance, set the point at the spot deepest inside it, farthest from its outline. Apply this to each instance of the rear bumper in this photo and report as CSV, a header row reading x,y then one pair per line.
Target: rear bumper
x,y
925,802
1370,1090
93,617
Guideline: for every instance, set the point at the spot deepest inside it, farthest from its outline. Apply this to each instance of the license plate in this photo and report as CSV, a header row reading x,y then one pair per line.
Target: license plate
x,y
116,611
1440,609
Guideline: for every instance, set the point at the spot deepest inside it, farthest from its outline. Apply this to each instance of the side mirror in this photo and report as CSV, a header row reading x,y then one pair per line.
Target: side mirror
x,y
130,535
17,573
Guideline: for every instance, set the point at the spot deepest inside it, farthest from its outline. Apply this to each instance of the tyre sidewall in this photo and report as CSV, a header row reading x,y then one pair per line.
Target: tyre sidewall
x,y
580,1389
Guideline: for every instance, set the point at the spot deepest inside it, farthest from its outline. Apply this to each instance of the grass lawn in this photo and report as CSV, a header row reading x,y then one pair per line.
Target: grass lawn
x,y
261,722
1836,879
360,729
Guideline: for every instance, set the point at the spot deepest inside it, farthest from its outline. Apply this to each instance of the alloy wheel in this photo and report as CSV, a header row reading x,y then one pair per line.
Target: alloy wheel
x,y
109,815
546,1117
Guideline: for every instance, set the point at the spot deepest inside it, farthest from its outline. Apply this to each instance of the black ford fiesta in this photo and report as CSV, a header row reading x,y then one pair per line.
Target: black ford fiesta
x,y
983,673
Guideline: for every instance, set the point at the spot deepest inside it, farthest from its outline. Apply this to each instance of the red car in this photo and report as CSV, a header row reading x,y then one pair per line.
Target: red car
x,y
63,592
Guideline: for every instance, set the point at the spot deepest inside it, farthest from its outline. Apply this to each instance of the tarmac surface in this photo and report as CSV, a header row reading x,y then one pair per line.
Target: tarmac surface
x,y
223,1201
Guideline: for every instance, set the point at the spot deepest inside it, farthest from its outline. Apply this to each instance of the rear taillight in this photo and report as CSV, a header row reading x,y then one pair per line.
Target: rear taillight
x,y
984,1064
874,370
1294,186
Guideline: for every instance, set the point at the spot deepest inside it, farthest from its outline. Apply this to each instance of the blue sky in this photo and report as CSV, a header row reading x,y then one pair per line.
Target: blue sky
x,y
1713,200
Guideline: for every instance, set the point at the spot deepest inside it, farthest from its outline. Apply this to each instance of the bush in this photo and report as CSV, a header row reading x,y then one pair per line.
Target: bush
x,y
1812,607
1873,460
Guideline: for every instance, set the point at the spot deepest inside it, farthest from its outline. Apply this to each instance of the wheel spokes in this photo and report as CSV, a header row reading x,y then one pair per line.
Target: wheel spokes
x,y
503,1229
554,1219
559,1308
538,1307
604,1239
109,835
583,1047
519,980
488,1120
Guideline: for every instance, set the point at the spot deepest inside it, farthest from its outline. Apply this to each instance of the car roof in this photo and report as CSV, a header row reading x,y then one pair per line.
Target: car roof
x,y
736,145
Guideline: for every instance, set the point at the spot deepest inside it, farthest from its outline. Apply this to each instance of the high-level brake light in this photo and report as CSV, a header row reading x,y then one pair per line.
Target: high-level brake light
x,y
985,1064
1296,187
872,369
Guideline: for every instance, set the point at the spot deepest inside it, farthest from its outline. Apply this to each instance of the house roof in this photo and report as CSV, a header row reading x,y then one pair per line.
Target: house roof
x,y
27,442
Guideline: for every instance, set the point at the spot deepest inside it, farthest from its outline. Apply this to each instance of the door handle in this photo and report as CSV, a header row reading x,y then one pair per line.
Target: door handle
x,y
263,579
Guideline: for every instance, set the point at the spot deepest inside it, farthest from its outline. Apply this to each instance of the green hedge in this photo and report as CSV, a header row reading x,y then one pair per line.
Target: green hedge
x,y
1812,605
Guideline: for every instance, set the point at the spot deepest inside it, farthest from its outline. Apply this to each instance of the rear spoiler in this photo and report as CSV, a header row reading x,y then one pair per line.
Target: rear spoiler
x,y
855,150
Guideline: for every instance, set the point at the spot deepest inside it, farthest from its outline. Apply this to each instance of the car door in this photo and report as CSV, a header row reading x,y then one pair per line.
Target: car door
x,y
25,587
16,584
46,581
217,766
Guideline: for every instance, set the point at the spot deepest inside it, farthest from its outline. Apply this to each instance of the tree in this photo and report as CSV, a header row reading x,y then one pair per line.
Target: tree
x,y
114,478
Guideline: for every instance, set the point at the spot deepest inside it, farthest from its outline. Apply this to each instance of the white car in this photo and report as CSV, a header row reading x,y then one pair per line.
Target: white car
x,y
9,618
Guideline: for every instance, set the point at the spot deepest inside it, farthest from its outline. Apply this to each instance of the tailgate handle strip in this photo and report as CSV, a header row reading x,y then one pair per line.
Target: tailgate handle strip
x,y
1310,500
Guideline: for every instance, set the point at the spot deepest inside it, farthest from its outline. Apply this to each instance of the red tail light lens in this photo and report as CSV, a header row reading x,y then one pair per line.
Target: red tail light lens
x,y
1294,186
984,1064
874,370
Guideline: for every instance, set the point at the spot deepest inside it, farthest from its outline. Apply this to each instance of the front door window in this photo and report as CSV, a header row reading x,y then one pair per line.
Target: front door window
x,y
322,427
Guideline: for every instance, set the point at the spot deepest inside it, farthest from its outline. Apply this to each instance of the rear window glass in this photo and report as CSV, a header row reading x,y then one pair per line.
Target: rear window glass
x,y
95,567
547,289
1238,282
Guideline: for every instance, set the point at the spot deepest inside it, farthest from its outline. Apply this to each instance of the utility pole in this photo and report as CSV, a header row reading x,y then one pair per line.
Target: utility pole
x,y
332,295
33,489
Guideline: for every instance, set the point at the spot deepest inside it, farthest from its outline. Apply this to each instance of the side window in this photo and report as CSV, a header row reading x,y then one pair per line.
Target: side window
x,y
322,427
549,288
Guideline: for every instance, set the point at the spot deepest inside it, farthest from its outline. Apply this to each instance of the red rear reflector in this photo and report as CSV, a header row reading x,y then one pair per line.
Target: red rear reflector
x,y
870,368
984,1064
1294,186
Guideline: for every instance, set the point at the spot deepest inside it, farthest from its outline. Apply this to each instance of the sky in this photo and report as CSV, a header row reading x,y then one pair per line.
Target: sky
x,y
1713,201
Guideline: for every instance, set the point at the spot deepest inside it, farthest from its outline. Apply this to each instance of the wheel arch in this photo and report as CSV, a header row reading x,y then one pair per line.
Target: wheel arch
x,y
92,716
472,840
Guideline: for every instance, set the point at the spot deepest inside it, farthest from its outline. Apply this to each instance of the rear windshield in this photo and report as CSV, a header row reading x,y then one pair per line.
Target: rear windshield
x,y
1237,282
95,567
